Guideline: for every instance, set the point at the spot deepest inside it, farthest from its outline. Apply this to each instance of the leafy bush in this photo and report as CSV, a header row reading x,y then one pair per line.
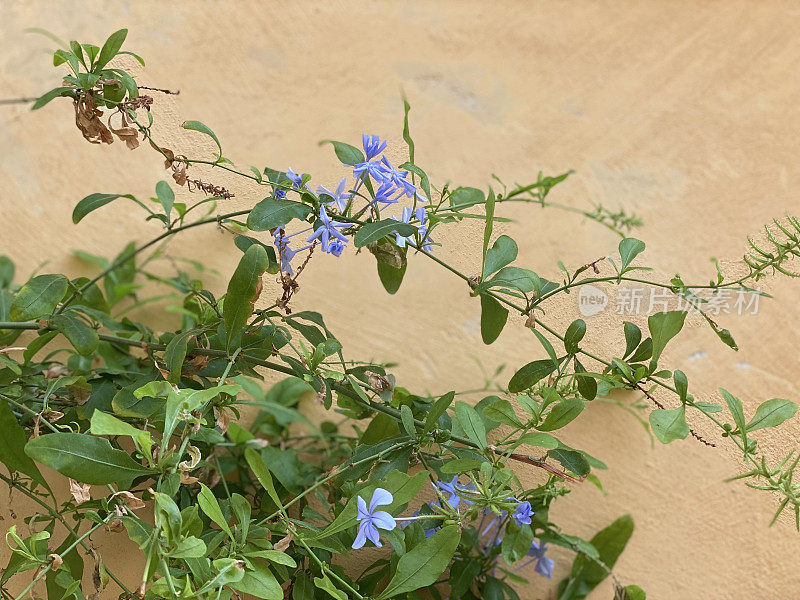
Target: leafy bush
x,y
265,506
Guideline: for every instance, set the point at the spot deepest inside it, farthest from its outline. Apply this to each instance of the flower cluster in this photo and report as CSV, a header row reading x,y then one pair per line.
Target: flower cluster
x,y
388,186
370,520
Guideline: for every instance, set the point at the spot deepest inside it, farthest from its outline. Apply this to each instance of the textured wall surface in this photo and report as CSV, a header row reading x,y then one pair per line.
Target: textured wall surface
x,y
684,113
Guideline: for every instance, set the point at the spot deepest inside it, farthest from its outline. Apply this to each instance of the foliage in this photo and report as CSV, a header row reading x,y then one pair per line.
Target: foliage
x,y
264,506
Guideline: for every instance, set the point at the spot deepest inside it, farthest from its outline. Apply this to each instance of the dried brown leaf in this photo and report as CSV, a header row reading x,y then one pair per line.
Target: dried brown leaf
x,y
80,491
87,119
283,544
129,500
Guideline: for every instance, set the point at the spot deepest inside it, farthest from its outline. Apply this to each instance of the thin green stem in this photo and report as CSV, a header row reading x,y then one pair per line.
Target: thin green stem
x,y
69,549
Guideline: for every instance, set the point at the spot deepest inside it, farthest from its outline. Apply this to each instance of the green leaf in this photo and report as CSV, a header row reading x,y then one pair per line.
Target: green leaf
x,y
501,411
259,581
275,556
87,80
574,335
530,374
82,337
183,401
461,465
110,49
586,573
464,197
189,547
276,212
771,414
12,446
538,439
407,418
633,335
634,592
62,56
548,347
138,58
663,327
76,49
175,354
203,128
105,424
423,565
52,94
437,410
92,202
515,278
85,458
326,585
487,230
681,384
629,248
503,252
587,386
372,232
38,297
165,196
6,271
37,344
243,291
261,471
471,423
243,242
669,425
722,334
562,413
406,129
349,155
209,505
737,412
462,574
493,318
391,277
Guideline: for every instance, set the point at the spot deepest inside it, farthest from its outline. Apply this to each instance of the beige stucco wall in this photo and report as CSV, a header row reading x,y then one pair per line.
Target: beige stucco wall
x,y
685,114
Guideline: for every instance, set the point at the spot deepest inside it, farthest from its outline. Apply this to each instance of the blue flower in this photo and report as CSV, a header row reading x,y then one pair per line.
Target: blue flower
x,y
422,217
400,179
372,145
544,564
369,519
280,194
373,168
422,229
286,256
295,178
401,240
336,247
340,196
384,193
522,516
450,487
327,230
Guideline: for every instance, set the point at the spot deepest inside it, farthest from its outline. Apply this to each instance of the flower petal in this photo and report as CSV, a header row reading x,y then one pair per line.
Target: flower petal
x,y
384,520
372,534
362,508
380,497
361,537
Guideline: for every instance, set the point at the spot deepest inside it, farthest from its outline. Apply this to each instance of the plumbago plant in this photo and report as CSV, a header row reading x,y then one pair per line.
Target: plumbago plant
x,y
144,423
